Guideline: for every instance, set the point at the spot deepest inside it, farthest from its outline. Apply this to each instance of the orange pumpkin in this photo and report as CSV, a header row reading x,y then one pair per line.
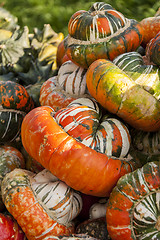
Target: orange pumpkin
x,y
151,27
79,166
51,94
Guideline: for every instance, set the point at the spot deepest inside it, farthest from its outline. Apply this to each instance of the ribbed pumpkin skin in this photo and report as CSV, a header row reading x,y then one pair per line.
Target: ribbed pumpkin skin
x,y
68,159
68,85
61,201
102,32
21,201
133,206
151,26
15,102
146,75
153,50
82,120
120,95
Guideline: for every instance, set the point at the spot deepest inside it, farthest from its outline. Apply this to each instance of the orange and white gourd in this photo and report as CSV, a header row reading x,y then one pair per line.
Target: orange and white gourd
x,y
68,85
61,201
83,120
74,163
41,204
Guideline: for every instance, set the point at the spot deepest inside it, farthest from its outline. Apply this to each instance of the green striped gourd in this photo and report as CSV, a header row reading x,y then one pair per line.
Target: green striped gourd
x,y
10,158
133,206
128,88
148,76
153,50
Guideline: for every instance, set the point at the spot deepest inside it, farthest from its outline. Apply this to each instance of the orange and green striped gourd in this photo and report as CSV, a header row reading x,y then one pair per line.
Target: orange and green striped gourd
x,y
101,32
133,207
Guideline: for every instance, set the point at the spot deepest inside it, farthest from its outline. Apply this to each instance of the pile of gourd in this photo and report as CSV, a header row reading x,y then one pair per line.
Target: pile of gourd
x,y
80,128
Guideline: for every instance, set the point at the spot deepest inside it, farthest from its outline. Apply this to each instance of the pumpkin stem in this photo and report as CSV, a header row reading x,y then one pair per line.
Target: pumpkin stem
x,y
158,223
96,12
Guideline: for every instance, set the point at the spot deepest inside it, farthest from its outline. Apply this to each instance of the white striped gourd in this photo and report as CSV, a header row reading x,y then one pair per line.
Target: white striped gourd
x,y
83,120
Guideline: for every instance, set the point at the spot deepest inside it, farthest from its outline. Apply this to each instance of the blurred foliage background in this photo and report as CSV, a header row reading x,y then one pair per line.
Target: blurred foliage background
x,y
36,13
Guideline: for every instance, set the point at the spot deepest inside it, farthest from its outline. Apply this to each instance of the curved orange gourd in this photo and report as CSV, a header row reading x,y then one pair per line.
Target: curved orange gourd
x,y
61,56
77,165
121,95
